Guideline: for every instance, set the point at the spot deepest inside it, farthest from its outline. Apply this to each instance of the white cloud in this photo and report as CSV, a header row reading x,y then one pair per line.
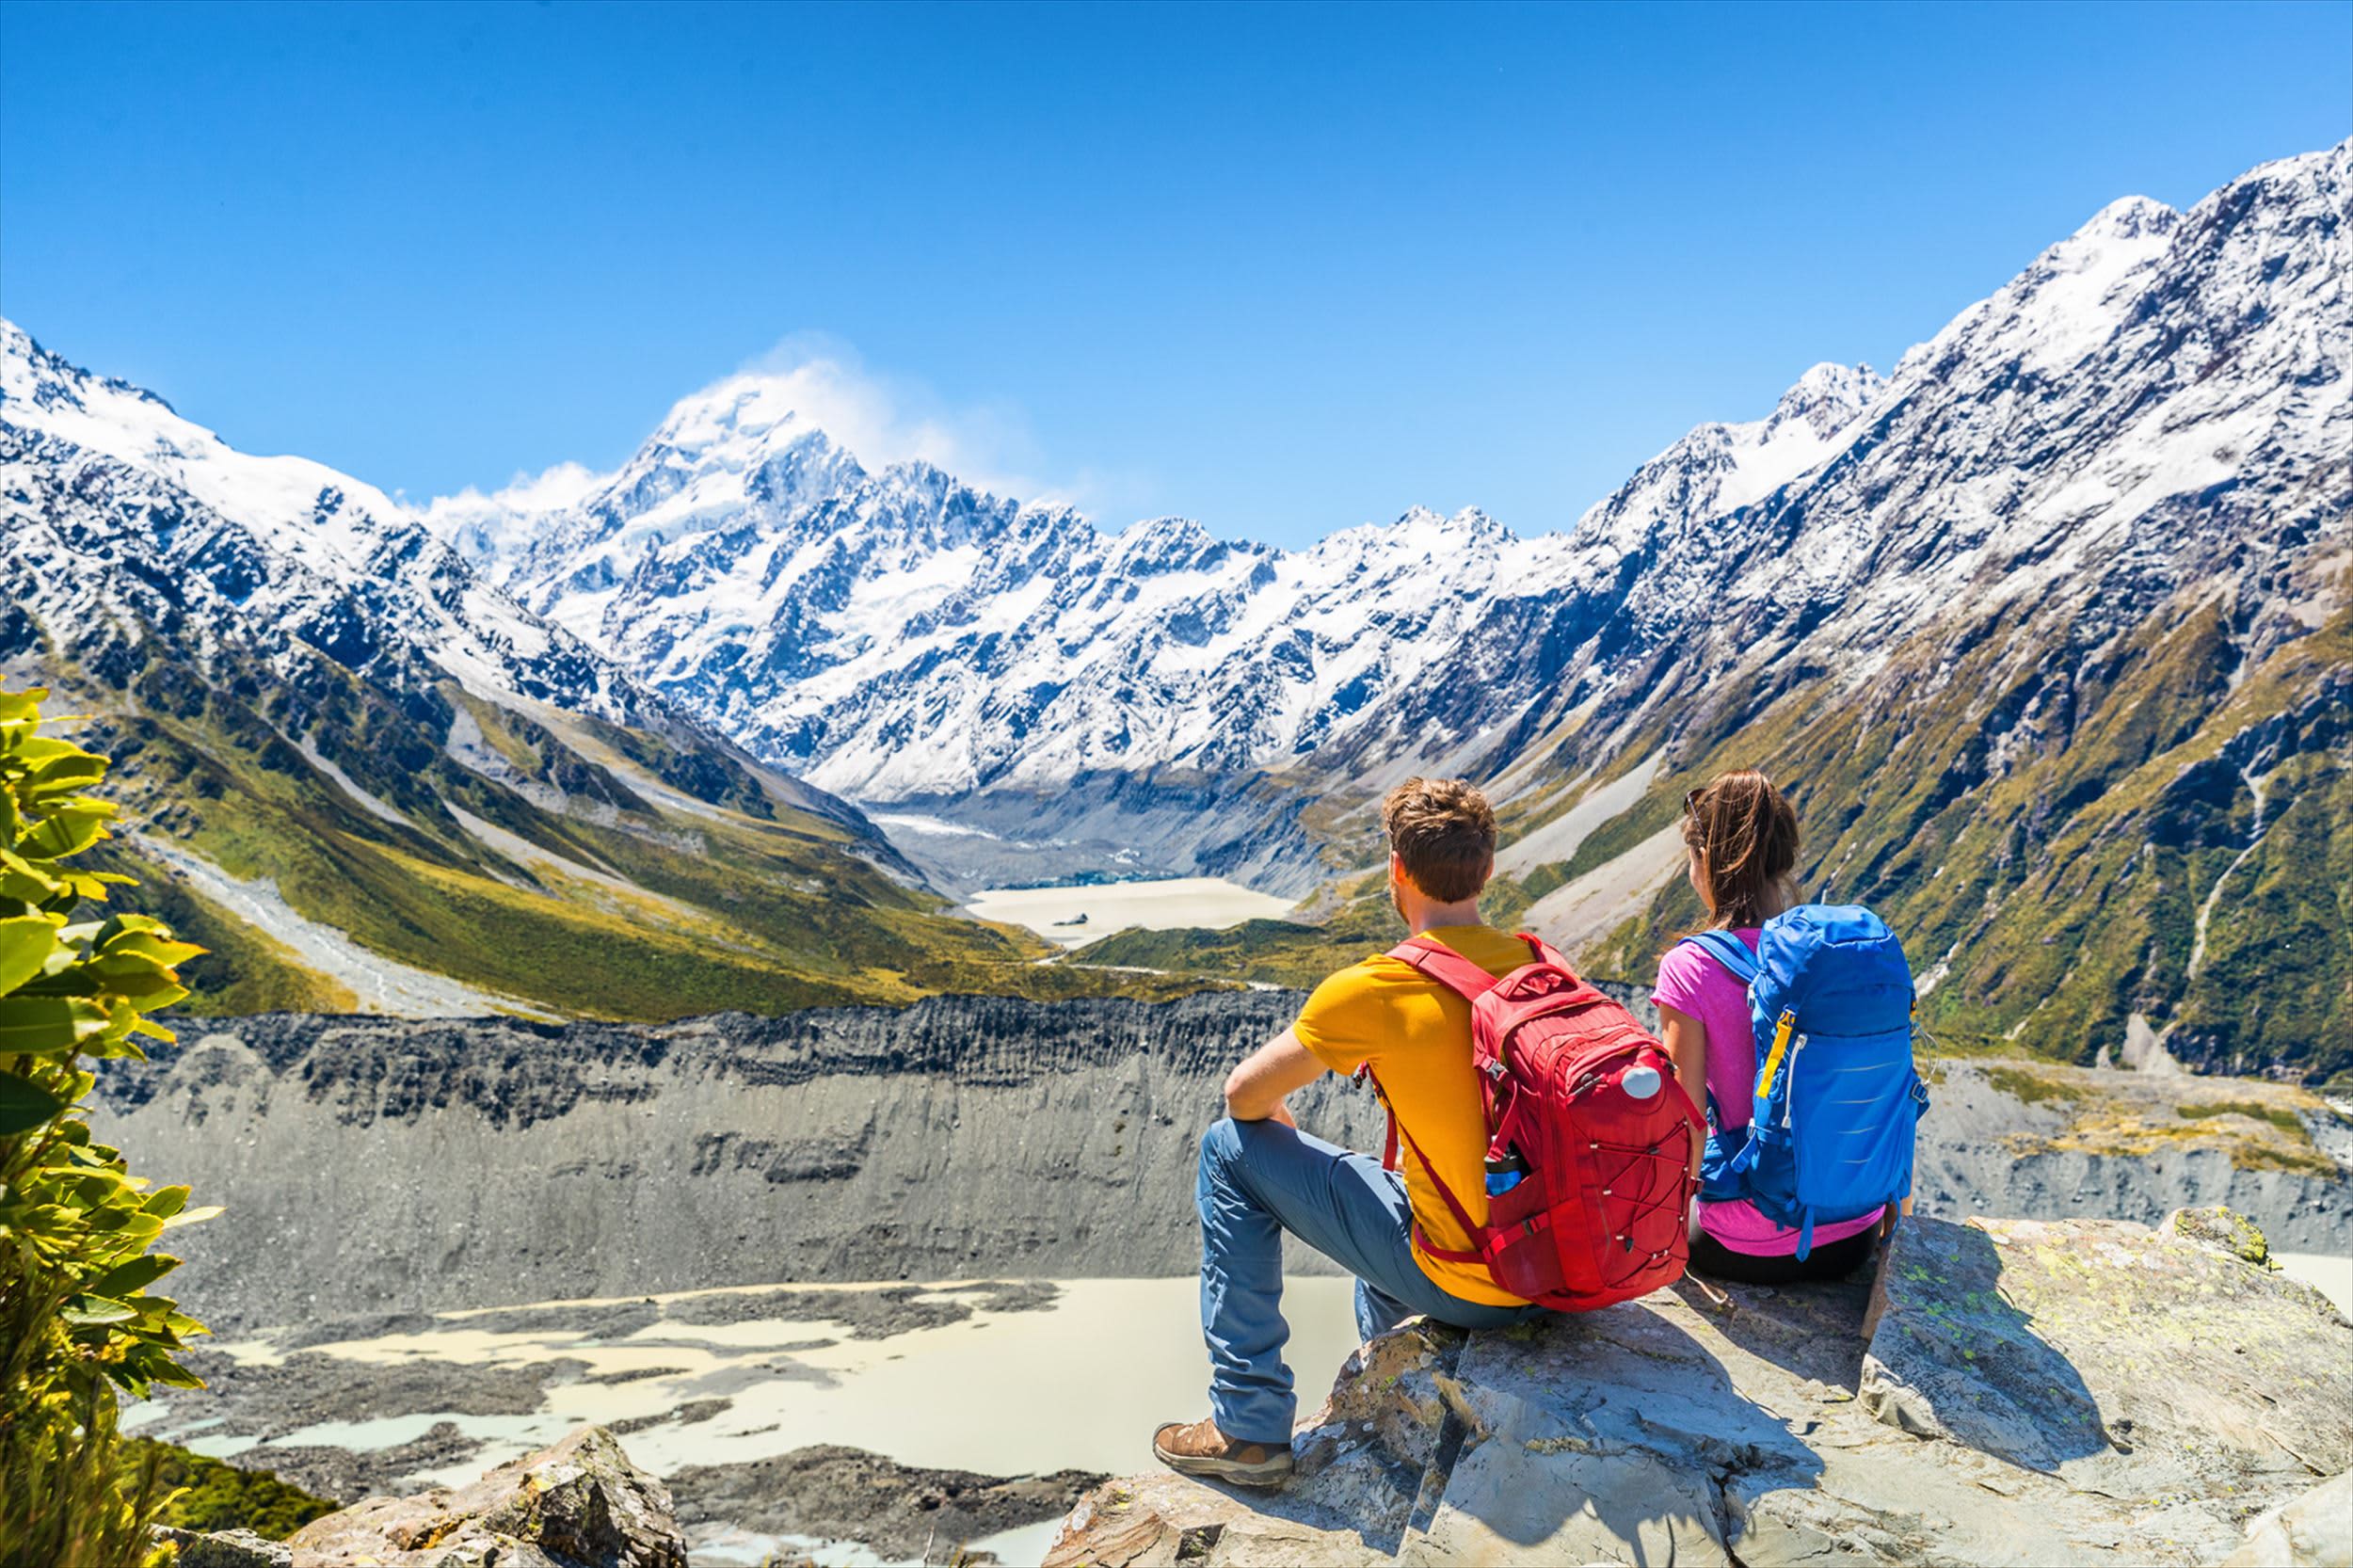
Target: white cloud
x,y
810,379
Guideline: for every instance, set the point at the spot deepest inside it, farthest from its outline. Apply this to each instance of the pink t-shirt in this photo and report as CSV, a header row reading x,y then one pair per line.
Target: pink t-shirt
x,y
1692,982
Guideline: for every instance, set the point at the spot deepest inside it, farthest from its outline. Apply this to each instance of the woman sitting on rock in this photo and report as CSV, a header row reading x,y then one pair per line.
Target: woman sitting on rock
x,y
1742,836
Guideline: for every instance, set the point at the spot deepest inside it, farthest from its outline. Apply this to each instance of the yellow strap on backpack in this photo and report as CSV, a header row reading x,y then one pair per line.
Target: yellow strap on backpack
x,y
1772,1057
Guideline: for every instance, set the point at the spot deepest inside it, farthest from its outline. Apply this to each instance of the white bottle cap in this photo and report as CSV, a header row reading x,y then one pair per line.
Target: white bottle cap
x,y
1640,1081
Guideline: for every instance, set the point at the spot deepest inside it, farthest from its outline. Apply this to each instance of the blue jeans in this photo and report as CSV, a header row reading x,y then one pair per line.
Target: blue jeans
x,y
1259,1180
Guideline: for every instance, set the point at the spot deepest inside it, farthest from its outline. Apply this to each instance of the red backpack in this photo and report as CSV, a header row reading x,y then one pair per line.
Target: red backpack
x,y
1600,1216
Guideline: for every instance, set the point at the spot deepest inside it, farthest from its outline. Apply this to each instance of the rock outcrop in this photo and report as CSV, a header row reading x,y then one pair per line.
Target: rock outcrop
x,y
2001,1392
903,1513
378,1164
579,1504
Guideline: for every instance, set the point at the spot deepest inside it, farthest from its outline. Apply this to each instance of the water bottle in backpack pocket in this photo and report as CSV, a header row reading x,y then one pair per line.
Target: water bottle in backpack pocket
x,y
1838,1100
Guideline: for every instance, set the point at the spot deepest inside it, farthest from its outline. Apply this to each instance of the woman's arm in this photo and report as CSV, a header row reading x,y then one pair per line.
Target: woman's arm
x,y
1686,1047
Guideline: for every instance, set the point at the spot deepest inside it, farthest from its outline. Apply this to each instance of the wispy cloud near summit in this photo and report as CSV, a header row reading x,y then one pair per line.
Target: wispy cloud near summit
x,y
820,381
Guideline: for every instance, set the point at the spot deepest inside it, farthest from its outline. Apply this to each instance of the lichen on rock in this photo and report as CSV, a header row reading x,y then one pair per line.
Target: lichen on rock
x,y
2232,1232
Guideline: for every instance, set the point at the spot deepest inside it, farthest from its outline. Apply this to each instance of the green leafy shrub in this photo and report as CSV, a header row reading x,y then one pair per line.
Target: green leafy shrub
x,y
79,1318
215,1495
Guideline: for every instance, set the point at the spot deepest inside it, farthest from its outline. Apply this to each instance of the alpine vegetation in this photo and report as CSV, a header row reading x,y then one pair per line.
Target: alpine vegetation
x,y
79,1316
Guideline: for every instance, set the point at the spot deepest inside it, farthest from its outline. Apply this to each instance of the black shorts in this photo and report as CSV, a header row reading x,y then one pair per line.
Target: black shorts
x,y
1831,1260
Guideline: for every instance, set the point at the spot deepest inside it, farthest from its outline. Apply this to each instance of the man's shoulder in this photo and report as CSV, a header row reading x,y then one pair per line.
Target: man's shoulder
x,y
1374,973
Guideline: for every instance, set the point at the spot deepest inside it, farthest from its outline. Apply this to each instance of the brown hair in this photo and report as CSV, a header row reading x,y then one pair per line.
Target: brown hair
x,y
1745,833
1444,831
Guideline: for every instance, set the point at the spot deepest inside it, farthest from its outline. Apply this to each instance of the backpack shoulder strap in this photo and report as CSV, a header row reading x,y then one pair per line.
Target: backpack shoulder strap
x,y
1727,950
1546,954
1447,967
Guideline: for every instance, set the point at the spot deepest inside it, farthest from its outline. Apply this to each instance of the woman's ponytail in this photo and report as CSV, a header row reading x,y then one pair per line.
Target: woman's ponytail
x,y
1744,834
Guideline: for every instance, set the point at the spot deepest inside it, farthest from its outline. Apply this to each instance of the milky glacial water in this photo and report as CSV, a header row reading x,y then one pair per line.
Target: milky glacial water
x,y
1166,904
1077,1385
2332,1276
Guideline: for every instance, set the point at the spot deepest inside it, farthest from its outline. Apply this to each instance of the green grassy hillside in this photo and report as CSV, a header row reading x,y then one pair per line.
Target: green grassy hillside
x,y
555,862
2045,841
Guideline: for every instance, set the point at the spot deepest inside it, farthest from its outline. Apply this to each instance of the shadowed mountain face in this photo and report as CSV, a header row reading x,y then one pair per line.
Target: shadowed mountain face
x,y
373,1164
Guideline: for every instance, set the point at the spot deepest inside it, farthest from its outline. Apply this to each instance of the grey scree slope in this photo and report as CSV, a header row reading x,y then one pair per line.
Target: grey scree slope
x,y
376,1165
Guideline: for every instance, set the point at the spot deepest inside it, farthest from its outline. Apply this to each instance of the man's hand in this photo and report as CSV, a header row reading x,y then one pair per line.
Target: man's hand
x,y
1255,1091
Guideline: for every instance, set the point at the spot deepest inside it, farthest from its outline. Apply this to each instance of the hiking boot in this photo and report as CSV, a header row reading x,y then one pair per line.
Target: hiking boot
x,y
1201,1449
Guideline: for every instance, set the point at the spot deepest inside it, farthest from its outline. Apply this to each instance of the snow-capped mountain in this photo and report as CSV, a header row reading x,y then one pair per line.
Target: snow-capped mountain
x,y
120,511
900,635
2066,589
2158,404
1720,468
363,777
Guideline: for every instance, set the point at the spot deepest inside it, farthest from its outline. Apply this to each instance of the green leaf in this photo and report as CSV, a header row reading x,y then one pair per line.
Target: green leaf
x,y
49,1026
173,1375
72,771
96,1310
194,1216
135,1275
133,943
67,831
25,1105
25,947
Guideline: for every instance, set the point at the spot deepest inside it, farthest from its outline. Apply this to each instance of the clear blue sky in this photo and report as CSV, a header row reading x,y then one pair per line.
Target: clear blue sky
x,y
1280,269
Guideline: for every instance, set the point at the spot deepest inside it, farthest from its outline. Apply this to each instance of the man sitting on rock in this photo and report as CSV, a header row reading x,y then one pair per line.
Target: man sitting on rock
x,y
1260,1176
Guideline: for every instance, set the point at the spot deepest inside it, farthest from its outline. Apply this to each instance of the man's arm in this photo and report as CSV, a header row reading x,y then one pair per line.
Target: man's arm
x,y
1255,1091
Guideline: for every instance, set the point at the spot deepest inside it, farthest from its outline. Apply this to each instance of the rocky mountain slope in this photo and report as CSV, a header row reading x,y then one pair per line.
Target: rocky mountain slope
x,y
365,777
2055,648
375,1164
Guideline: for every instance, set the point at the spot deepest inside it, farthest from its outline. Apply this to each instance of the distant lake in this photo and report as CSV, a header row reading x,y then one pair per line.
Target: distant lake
x,y
1166,904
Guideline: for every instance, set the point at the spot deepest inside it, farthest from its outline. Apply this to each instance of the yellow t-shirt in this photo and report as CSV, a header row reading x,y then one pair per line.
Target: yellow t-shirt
x,y
1417,1035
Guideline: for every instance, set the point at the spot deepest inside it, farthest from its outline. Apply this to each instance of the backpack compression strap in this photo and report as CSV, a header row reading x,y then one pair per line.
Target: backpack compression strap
x,y
1470,982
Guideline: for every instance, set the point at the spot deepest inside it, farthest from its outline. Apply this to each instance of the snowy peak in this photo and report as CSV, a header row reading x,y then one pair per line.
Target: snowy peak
x,y
2067,302
2107,425
1825,400
1716,468
897,634
117,509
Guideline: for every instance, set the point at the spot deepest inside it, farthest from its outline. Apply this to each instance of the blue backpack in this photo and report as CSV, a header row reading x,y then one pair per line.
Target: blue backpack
x,y
1837,1099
